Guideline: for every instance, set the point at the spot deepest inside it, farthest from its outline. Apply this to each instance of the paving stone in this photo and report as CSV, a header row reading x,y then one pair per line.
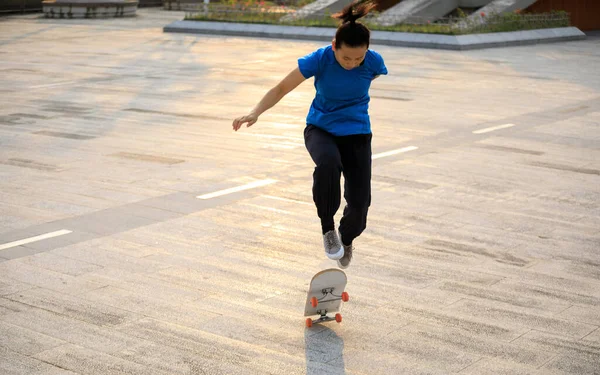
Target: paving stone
x,y
87,361
444,339
594,336
212,347
24,341
60,264
14,363
494,366
60,327
43,278
95,253
189,313
519,317
574,364
72,307
480,252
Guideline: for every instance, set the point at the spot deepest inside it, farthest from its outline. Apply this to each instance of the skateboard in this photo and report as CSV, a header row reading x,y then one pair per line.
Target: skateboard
x,y
325,296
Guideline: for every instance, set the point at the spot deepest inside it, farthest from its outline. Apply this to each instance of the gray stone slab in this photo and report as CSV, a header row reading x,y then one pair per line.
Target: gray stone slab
x,y
182,203
593,337
584,363
105,222
10,286
522,318
94,253
438,356
73,307
18,252
126,248
446,340
192,313
75,236
86,361
60,264
506,295
44,278
178,360
554,343
96,338
13,363
214,348
575,356
145,284
144,211
492,366
25,341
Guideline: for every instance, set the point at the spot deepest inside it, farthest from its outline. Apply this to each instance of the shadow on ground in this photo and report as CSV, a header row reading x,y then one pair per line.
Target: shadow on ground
x,y
324,351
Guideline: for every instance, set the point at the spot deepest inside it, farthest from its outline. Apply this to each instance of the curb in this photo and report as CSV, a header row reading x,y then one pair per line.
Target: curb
x,y
389,38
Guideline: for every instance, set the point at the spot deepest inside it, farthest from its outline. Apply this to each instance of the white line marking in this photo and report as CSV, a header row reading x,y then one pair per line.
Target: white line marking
x,y
248,62
273,136
393,152
487,130
251,185
286,200
285,147
281,125
34,239
272,209
52,84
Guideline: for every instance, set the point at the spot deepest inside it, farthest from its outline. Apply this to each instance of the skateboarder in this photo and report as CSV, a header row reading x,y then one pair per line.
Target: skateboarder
x,y
338,130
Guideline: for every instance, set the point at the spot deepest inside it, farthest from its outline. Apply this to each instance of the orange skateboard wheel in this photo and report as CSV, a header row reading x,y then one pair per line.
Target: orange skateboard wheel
x,y
308,322
345,297
314,302
338,318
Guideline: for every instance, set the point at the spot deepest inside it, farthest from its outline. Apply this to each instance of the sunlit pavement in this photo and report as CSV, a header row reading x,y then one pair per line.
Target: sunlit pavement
x,y
139,234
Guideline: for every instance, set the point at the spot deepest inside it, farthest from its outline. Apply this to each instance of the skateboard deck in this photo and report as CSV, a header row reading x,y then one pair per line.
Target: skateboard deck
x,y
325,296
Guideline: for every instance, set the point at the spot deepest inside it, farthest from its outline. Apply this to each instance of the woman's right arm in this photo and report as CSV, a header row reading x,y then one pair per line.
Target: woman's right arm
x,y
272,97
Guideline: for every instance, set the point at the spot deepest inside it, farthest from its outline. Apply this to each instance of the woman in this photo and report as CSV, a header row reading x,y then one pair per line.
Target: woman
x,y
338,131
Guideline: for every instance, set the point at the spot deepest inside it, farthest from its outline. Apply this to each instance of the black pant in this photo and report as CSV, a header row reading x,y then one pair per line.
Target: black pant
x,y
350,155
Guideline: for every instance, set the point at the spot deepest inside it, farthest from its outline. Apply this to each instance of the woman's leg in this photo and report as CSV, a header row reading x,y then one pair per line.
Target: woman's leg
x,y
355,152
326,176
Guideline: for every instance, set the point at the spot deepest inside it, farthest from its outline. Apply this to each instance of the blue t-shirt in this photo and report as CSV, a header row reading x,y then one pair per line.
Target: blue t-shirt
x,y
341,104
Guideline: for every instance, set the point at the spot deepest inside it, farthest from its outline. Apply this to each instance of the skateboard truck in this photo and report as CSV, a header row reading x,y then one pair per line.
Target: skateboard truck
x,y
314,301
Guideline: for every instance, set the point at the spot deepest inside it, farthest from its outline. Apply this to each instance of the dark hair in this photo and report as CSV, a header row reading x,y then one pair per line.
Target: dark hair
x,y
350,32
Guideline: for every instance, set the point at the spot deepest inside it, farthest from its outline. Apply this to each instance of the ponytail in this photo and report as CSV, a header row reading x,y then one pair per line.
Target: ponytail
x,y
354,11
350,32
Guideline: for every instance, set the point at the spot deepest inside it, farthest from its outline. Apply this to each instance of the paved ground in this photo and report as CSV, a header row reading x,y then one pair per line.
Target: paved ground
x,y
481,255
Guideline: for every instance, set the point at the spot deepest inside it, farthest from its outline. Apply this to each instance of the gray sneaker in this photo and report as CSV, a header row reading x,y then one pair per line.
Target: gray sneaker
x,y
333,246
344,261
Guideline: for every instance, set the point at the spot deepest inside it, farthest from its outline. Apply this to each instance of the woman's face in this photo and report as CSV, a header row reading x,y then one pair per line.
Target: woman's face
x,y
349,57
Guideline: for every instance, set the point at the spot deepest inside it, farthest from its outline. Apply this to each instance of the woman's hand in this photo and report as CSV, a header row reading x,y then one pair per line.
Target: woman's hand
x,y
249,119
290,82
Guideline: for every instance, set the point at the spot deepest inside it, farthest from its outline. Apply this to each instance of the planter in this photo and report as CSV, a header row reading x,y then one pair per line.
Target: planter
x,y
390,38
89,8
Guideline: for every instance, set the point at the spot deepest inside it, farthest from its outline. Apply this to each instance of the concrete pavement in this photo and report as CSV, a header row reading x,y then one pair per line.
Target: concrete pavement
x,y
140,235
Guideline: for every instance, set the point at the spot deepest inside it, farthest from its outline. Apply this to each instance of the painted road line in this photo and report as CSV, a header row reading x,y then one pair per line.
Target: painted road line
x,y
287,200
251,185
52,84
34,239
394,152
487,130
